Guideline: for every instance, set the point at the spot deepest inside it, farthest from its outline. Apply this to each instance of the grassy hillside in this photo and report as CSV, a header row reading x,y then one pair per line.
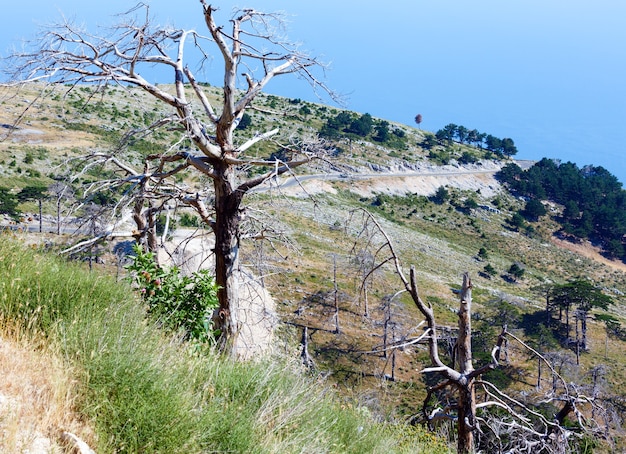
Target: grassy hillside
x,y
123,387
316,263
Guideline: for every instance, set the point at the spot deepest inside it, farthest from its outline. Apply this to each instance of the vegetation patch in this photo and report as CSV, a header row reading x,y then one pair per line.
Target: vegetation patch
x,y
144,391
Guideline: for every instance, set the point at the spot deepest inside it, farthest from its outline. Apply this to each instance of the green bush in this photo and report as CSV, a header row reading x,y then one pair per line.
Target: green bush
x,y
161,222
178,302
189,220
490,270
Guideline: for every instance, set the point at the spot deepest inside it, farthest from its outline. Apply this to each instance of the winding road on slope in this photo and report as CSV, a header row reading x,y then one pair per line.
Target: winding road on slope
x,y
420,180
426,171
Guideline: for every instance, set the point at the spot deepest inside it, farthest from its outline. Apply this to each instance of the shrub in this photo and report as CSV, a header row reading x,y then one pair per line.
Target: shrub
x,y
441,196
161,222
490,270
517,220
245,122
189,220
177,302
516,271
467,158
533,210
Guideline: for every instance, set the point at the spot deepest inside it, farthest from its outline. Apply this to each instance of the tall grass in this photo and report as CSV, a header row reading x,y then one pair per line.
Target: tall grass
x,y
145,392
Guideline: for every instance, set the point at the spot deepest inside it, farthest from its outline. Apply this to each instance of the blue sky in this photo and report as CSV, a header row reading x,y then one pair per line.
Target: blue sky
x,y
549,74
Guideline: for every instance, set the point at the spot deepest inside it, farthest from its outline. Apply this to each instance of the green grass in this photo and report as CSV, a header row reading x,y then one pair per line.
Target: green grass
x,y
145,392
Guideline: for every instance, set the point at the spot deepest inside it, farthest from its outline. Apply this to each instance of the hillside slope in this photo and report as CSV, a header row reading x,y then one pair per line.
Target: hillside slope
x,y
315,269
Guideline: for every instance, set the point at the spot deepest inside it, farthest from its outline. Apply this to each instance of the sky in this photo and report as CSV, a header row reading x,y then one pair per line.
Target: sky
x,y
550,74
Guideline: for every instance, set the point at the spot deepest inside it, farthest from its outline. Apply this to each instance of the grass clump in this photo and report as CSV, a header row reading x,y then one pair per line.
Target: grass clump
x,y
143,390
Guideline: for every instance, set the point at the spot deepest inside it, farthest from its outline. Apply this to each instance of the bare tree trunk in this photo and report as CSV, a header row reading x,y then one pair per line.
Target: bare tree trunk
x,y
568,407
366,300
58,215
40,216
464,341
386,322
577,345
336,294
66,54
153,244
595,376
393,355
145,221
467,398
306,358
465,423
583,330
93,233
226,230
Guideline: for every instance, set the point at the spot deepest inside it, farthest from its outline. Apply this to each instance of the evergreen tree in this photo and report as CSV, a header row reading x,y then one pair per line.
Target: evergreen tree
x,y
441,196
362,126
8,203
382,131
583,296
533,210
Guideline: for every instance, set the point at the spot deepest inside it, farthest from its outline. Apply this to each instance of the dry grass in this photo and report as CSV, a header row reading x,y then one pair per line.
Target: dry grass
x,y
36,398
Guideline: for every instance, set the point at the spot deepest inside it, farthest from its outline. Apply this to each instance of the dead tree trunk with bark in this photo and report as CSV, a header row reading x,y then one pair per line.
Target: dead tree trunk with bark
x,y
522,429
304,354
336,295
462,379
252,54
59,191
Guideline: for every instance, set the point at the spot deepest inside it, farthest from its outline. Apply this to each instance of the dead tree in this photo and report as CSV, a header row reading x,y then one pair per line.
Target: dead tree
x,y
304,354
60,191
249,47
336,295
462,379
523,428
364,263
386,306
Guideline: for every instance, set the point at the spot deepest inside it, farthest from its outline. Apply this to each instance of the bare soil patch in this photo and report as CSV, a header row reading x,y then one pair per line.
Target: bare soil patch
x,y
586,249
